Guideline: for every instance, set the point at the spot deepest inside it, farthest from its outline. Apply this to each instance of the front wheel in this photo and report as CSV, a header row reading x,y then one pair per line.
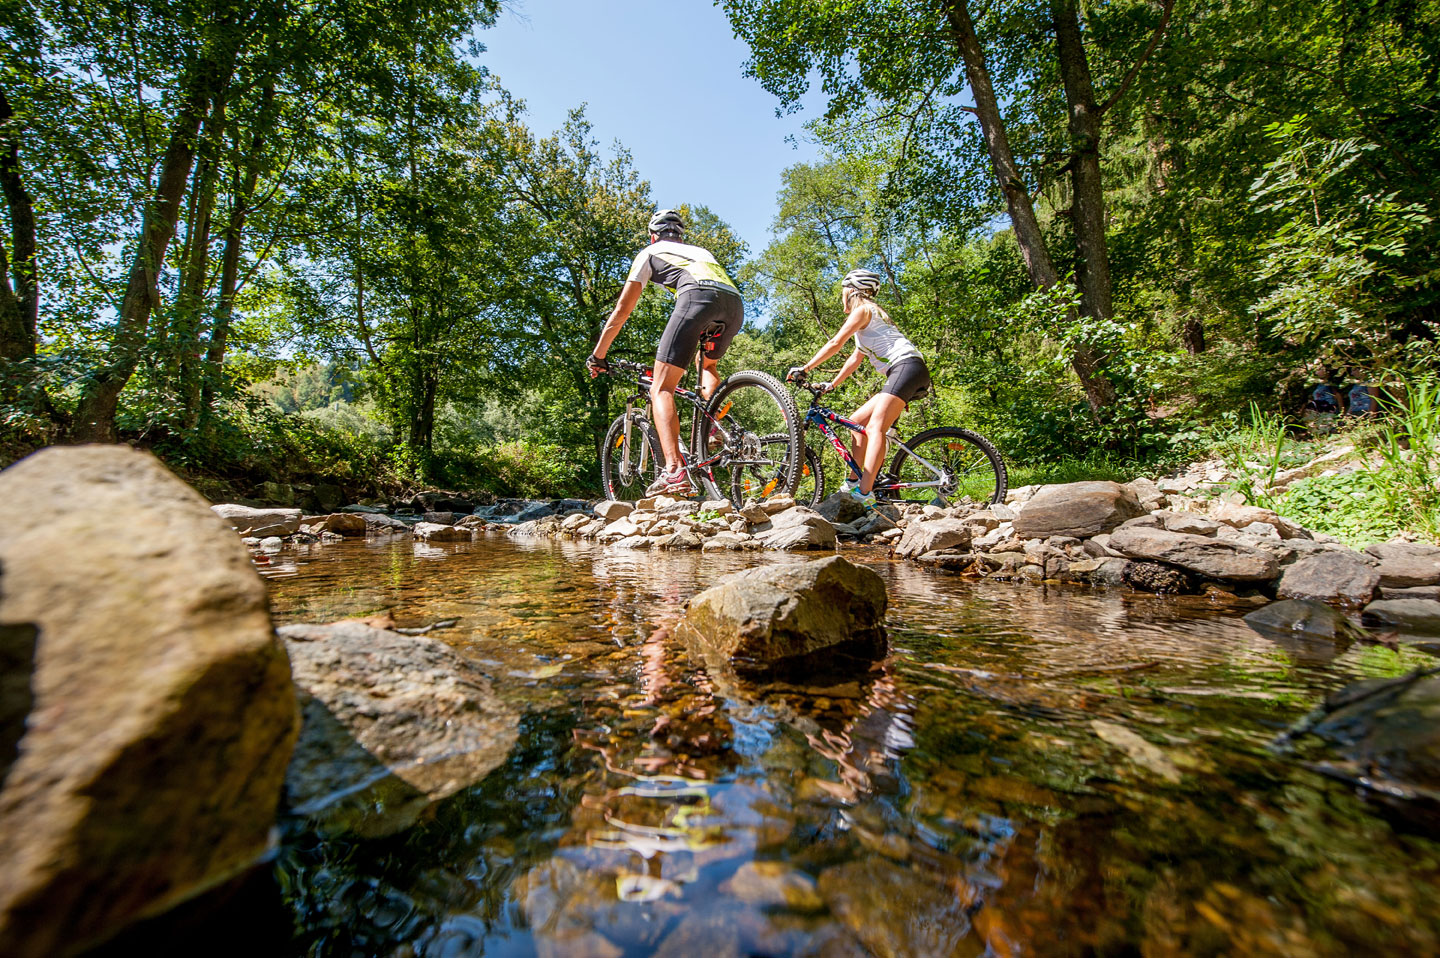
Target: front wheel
x,y
630,458
751,426
947,465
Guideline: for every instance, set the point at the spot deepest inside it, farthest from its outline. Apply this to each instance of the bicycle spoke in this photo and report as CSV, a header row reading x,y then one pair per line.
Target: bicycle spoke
x,y
949,465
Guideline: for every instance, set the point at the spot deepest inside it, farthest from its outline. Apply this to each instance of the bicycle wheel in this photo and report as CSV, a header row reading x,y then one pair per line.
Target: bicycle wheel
x,y
965,467
630,459
745,409
760,483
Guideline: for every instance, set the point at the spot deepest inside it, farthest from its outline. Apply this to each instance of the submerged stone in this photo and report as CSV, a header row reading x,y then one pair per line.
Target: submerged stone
x,y
391,724
1302,616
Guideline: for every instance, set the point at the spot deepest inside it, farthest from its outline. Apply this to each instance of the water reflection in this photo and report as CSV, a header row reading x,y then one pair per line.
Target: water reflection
x,y
1056,772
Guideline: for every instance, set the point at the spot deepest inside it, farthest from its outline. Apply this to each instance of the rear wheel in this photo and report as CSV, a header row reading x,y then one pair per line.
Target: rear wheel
x,y
752,425
760,483
965,467
630,459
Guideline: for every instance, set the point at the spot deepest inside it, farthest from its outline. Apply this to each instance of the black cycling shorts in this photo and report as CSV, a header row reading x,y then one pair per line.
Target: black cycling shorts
x,y
697,310
909,379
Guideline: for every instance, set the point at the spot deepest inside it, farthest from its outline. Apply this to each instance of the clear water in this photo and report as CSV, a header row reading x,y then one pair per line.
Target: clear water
x,y
1030,772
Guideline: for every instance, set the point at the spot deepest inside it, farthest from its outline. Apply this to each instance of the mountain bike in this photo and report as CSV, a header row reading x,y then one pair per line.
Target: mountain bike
x,y
726,433
939,466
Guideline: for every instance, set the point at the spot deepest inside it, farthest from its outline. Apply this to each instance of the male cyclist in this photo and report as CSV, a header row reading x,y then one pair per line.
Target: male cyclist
x,y
705,299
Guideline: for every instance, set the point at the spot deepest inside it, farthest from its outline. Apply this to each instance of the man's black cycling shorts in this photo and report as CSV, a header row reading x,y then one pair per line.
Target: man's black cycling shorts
x,y
909,379
696,310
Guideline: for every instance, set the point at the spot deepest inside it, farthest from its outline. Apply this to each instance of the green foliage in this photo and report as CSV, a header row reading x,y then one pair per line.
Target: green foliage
x,y
1408,476
1340,251
1348,506
514,468
1255,452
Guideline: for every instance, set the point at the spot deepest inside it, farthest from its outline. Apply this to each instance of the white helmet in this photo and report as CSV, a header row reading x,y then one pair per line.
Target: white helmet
x,y
667,222
862,280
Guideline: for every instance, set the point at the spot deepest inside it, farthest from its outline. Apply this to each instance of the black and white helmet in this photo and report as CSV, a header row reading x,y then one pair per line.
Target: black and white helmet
x,y
861,280
666,223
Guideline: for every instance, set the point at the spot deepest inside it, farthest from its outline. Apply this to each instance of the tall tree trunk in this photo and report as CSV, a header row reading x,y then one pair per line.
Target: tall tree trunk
x,y
195,262
244,180
1092,267
100,394
20,303
1099,392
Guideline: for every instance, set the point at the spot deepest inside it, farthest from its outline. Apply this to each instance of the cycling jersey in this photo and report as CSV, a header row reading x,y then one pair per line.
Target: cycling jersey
x,y
679,267
883,343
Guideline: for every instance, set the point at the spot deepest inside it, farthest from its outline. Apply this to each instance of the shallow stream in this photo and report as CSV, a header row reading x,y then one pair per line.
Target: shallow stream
x,y
1031,771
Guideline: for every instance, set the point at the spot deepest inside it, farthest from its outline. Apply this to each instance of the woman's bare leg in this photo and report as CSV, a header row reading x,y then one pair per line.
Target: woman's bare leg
x,y
886,412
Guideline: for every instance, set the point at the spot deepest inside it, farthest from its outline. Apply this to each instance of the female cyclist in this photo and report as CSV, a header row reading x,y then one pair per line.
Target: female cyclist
x,y
894,356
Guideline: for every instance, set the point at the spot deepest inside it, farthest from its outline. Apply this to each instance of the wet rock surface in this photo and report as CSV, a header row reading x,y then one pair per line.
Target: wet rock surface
x,y
392,723
259,522
160,710
1414,615
1215,558
1303,616
763,616
1340,577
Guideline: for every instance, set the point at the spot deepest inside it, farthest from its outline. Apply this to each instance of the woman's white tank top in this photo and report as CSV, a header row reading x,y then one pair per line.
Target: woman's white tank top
x,y
883,343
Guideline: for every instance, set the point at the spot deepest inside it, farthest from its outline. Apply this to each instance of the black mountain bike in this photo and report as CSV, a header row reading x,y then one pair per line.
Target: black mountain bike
x,y
939,466
749,426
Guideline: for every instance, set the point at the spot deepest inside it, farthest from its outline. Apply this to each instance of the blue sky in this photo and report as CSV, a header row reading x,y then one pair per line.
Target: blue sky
x,y
702,133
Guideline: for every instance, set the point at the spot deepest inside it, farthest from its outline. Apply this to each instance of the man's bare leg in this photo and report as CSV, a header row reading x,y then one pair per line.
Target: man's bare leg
x,y
662,408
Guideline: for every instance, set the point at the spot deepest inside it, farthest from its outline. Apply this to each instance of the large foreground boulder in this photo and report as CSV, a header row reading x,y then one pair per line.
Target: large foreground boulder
x,y
763,616
1079,509
160,709
259,522
392,723
1213,558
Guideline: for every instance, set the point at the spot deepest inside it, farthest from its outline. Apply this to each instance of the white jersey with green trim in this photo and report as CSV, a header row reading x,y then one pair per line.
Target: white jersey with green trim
x,y
679,267
883,343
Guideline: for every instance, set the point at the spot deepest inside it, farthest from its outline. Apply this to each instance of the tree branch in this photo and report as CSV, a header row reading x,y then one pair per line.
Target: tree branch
x,y
1140,61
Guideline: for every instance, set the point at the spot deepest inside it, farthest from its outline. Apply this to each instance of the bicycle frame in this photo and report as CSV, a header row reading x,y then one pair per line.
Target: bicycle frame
x,y
700,419
824,419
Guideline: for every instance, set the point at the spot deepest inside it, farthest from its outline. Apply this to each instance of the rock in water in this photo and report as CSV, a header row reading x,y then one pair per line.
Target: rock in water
x,y
763,616
1215,558
1080,509
1303,616
259,522
163,714
1341,577
1414,615
933,535
1387,735
392,723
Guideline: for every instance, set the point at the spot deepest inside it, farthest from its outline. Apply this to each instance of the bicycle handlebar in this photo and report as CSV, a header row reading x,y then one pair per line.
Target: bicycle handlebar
x,y
626,366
